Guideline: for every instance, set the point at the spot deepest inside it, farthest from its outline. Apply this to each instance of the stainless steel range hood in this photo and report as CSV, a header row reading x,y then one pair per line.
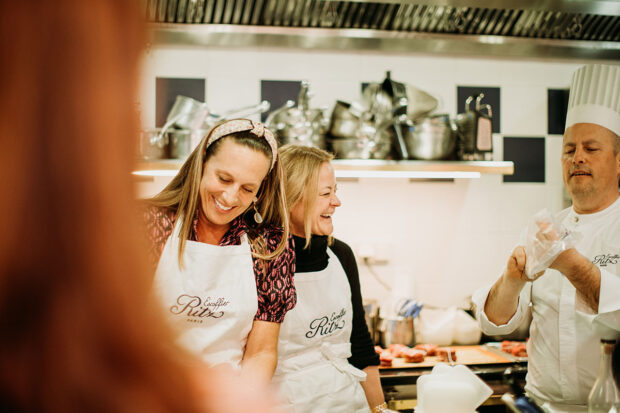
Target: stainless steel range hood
x,y
572,29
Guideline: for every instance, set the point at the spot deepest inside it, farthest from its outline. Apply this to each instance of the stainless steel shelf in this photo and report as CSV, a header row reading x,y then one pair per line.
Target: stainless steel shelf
x,y
349,168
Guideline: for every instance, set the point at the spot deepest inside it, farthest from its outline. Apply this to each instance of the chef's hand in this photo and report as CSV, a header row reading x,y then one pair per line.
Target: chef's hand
x,y
515,268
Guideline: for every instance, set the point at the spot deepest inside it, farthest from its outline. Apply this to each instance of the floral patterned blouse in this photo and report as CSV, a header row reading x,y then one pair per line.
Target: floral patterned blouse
x,y
275,287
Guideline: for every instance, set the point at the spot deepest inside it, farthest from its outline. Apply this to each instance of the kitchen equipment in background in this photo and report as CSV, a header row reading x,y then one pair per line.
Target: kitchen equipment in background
x,y
397,330
431,138
299,125
187,123
360,148
354,133
419,103
186,113
475,131
152,146
183,141
345,120
371,315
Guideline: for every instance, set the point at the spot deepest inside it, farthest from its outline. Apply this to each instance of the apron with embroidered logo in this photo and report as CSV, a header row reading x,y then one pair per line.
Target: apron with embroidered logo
x,y
212,301
313,373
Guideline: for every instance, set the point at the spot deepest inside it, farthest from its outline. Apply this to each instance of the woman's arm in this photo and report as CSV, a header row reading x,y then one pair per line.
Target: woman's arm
x,y
261,353
372,387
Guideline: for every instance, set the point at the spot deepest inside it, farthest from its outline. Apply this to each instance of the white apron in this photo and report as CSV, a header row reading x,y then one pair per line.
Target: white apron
x,y
313,374
211,302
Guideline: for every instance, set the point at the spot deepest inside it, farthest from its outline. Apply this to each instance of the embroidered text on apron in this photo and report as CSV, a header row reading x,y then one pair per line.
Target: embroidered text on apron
x,y
313,373
212,301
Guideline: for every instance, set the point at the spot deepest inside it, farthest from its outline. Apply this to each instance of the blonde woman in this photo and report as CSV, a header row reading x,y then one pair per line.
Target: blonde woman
x,y
224,256
326,358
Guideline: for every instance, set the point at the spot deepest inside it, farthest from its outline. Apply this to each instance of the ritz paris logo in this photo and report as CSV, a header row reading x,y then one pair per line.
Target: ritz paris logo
x,y
327,324
193,306
604,259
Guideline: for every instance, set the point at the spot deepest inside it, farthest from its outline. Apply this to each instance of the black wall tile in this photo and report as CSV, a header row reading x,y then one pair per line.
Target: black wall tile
x,y
277,92
491,97
167,89
528,155
557,105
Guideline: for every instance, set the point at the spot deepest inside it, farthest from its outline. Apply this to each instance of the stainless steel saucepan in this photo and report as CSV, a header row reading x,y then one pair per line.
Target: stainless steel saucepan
x,y
431,138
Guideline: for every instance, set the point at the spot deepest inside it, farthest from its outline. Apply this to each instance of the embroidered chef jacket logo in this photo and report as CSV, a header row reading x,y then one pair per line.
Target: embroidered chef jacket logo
x,y
196,308
327,324
604,259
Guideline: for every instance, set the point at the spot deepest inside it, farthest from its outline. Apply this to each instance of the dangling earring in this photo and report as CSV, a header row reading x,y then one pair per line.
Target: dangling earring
x,y
257,216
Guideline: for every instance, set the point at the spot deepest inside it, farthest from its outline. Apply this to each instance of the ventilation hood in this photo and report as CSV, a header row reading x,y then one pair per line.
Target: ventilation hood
x,y
561,29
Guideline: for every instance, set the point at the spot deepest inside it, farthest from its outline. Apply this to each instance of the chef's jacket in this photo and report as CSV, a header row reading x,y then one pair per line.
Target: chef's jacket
x,y
563,349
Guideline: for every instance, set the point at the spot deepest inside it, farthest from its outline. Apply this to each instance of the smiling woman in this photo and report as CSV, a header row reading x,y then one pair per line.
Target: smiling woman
x,y
325,349
220,241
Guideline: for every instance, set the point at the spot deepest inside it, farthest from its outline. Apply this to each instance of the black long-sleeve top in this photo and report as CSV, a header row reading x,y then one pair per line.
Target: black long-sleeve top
x,y
315,258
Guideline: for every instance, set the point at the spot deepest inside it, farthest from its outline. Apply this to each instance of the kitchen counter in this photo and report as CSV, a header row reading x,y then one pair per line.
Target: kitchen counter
x,y
399,381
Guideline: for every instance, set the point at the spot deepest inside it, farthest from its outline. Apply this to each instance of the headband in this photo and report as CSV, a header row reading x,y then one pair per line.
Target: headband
x,y
242,125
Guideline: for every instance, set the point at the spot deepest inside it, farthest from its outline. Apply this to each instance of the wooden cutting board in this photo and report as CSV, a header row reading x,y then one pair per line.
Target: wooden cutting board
x,y
464,355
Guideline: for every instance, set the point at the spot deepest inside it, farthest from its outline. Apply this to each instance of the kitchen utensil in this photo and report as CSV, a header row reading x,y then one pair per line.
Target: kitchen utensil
x,y
151,146
397,330
242,112
377,101
396,90
371,315
186,113
396,125
474,128
360,148
420,103
431,138
345,120
299,124
183,141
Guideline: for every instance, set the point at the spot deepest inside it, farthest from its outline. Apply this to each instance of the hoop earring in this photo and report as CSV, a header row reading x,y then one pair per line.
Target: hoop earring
x,y
257,216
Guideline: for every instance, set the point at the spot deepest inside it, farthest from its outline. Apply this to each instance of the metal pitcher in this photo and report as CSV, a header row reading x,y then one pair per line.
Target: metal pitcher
x,y
397,330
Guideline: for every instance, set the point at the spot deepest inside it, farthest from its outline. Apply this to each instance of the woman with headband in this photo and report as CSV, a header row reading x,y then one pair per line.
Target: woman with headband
x,y
224,257
326,358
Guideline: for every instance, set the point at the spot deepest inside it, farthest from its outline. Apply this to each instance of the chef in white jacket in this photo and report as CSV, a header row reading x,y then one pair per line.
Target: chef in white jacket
x,y
576,300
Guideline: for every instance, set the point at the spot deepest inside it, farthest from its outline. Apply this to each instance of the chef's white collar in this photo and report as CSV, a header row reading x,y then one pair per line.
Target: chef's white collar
x,y
588,218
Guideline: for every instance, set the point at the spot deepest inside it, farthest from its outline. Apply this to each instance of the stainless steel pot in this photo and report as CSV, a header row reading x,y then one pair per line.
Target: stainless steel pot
x,y
299,124
187,113
397,331
345,120
431,138
356,148
183,141
151,146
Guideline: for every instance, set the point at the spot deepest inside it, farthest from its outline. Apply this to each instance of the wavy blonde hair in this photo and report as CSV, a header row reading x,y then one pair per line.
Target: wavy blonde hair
x,y
301,166
183,192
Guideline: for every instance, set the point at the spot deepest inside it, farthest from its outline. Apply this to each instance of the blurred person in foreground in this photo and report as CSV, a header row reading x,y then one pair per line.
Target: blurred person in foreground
x,y
326,358
78,330
576,301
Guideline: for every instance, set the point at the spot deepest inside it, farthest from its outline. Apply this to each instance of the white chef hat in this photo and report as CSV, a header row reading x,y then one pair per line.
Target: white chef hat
x,y
595,97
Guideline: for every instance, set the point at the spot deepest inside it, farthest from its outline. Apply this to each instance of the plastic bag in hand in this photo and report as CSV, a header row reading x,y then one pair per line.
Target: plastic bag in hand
x,y
546,239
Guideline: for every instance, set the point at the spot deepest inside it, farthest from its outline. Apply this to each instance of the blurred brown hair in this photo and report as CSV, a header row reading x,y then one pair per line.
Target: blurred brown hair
x,y
78,331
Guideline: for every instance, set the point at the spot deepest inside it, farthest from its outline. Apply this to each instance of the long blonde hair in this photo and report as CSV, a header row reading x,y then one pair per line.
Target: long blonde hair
x,y
301,166
183,192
